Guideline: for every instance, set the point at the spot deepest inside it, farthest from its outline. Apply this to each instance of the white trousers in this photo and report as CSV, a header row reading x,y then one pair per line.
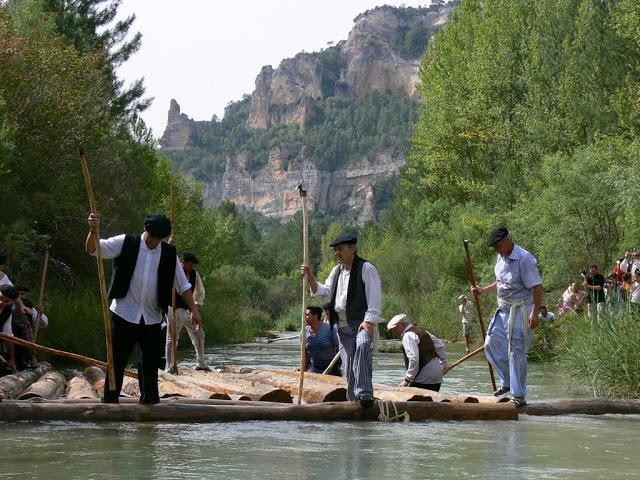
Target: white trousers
x,y
183,317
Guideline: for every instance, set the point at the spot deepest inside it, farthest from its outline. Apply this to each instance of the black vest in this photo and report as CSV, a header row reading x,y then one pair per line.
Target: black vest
x,y
180,303
356,295
426,347
125,263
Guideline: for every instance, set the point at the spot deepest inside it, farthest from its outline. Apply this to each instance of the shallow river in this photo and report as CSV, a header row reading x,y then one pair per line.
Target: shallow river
x,y
573,447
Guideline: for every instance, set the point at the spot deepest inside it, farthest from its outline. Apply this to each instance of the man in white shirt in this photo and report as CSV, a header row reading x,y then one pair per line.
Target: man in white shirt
x,y
467,322
144,271
8,295
183,314
424,355
355,294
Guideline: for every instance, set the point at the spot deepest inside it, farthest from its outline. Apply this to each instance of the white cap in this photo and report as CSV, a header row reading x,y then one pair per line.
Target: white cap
x,y
401,317
461,297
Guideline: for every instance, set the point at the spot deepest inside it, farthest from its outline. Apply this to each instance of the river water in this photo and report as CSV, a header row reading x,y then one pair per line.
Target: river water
x,y
570,447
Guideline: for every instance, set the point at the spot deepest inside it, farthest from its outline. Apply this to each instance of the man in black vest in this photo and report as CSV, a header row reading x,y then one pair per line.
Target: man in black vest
x,y
424,355
355,291
144,270
183,314
8,296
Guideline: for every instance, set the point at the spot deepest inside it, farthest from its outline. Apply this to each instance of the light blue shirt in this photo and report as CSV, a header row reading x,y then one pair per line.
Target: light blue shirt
x,y
516,275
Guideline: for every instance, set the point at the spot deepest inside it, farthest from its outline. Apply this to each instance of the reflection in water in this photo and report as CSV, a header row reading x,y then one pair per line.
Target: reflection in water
x,y
544,447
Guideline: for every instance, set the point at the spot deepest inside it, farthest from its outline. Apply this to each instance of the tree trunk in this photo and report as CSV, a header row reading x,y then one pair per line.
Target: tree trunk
x,y
50,385
11,386
188,413
585,406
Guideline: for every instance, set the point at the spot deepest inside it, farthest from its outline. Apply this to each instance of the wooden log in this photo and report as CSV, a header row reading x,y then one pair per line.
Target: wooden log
x,y
95,376
584,406
188,413
11,386
172,400
50,385
78,387
384,392
173,386
60,353
314,391
232,385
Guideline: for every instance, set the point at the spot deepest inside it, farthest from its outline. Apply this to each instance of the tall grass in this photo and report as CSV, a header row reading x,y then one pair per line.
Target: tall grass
x,y
605,355
76,324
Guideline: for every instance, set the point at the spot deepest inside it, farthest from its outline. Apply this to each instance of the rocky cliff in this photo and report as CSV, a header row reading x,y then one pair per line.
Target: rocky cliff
x,y
380,57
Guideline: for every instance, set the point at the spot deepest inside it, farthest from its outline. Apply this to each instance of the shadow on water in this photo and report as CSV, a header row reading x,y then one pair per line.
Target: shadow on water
x,y
534,447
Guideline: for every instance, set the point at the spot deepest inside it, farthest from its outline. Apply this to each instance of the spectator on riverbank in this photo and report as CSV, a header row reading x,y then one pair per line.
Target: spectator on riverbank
x,y
593,283
321,343
425,358
4,278
635,290
545,315
467,321
572,299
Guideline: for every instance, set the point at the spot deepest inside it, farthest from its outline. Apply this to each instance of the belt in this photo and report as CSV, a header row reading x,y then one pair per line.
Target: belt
x,y
516,310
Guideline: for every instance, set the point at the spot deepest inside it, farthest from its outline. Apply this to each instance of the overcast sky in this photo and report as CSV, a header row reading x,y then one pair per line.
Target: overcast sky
x,y
206,53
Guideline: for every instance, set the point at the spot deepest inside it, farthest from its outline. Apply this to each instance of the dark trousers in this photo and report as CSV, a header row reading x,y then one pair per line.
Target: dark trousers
x,y
434,387
125,336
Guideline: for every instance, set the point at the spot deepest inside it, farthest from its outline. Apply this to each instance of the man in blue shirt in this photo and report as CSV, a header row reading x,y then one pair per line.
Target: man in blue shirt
x,y
519,289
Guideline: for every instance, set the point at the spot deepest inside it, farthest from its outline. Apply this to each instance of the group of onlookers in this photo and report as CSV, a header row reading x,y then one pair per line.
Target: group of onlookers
x,y
18,318
619,291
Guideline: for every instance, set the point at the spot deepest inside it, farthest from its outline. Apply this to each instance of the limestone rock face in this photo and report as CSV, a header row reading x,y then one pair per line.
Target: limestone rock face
x,y
371,53
177,135
374,58
272,189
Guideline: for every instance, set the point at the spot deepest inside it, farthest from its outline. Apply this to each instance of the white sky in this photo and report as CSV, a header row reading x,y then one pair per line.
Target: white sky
x,y
207,53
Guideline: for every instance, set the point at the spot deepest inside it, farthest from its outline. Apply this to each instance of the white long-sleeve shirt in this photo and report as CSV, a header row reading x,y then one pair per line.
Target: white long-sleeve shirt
x,y
372,288
6,326
626,266
198,290
142,298
432,372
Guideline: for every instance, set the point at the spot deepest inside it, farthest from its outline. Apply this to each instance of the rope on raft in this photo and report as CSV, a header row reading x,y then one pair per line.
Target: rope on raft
x,y
384,407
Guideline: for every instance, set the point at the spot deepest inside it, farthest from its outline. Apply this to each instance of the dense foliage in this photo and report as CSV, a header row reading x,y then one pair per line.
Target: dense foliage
x,y
340,130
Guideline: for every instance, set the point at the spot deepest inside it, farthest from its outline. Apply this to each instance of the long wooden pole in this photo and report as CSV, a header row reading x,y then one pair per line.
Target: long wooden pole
x,y
476,297
464,359
60,353
103,289
173,324
41,296
333,362
305,288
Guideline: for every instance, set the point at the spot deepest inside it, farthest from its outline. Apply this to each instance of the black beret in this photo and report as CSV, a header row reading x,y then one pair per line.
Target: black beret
x,y
9,291
496,235
189,257
158,225
344,239
3,258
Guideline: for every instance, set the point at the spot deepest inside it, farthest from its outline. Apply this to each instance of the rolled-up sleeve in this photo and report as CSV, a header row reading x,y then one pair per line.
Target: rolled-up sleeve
x,y
180,280
529,272
198,291
373,292
110,247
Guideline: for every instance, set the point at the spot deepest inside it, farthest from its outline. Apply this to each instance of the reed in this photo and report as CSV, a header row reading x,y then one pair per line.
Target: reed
x,y
605,355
